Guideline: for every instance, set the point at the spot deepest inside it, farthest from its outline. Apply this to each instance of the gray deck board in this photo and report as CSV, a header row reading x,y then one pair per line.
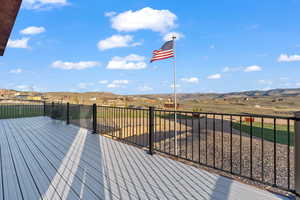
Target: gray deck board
x,y
46,159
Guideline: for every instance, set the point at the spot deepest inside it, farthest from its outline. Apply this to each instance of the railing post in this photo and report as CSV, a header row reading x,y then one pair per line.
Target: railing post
x,y
52,110
151,130
68,113
94,118
44,108
297,155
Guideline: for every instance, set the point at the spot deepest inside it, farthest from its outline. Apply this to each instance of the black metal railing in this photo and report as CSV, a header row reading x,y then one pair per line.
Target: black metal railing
x,y
256,147
128,124
8,111
79,115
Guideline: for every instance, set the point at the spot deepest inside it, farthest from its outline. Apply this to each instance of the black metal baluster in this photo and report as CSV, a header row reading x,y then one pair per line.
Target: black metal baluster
x,y
119,122
151,129
134,126
214,141
165,132
127,125
206,157
251,152
160,130
199,138
192,136
140,124
107,120
169,132
180,137
275,151
241,145
124,124
288,154
186,136
230,143
262,149
222,141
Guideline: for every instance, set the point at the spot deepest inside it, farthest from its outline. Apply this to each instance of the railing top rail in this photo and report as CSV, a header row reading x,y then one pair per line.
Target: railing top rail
x,y
21,104
200,113
232,114
123,108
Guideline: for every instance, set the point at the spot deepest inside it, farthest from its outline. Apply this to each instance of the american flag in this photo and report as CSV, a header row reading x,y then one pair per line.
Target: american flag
x,y
166,51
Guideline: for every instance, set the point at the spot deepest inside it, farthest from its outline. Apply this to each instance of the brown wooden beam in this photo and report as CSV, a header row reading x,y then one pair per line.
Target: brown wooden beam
x,y
8,13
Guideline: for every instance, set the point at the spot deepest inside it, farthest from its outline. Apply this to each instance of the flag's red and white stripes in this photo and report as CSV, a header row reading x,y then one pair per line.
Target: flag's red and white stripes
x,y
162,54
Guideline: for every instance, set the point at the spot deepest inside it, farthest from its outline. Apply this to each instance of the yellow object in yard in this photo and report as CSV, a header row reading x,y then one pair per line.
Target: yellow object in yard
x,y
34,98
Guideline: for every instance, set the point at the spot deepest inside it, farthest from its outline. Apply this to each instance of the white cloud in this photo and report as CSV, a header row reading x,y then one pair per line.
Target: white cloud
x,y
177,86
265,82
26,88
169,36
287,58
146,18
19,43
117,83
117,41
214,76
212,46
103,81
72,65
16,71
145,89
190,80
227,69
43,4
110,14
32,30
131,62
284,78
252,68
84,85
297,84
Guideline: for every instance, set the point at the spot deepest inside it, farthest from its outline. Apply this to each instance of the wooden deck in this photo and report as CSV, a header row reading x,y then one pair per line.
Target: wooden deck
x,y
46,159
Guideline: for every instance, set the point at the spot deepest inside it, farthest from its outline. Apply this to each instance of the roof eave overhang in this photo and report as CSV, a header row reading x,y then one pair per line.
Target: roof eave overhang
x,y
8,12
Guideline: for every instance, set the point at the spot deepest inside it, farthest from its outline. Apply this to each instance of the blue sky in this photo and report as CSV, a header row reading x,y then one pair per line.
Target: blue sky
x,y
222,46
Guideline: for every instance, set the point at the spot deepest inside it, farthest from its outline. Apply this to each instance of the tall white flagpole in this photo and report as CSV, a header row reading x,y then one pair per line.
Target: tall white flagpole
x,y
175,96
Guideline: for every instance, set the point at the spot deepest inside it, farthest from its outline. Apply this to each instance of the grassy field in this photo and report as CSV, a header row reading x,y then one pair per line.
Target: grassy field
x,y
267,132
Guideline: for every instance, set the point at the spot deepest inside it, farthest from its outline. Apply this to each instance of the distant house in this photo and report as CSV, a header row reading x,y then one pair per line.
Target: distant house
x,y
29,97
35,98
23,97
170,105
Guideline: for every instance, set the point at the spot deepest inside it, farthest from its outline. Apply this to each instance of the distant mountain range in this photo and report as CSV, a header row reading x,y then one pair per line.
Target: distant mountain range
x,y
182,96
253,93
